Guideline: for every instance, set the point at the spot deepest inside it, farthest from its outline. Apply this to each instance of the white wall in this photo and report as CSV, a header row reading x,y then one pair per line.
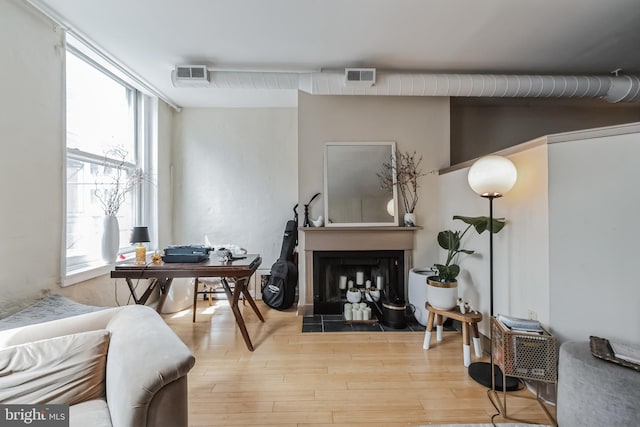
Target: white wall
x,y
235,177
594,205
520,249
32,153
164,131
32,165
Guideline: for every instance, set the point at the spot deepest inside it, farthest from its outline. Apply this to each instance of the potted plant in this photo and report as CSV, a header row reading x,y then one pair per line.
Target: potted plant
x,y
442,288
404,174
113,182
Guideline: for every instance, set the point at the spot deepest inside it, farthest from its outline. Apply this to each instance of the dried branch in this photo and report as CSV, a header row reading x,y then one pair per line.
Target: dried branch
x,y
115,181
405,175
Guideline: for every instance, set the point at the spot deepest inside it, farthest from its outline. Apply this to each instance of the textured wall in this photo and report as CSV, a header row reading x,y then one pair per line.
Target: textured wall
x,y
32,166
235,177
32,153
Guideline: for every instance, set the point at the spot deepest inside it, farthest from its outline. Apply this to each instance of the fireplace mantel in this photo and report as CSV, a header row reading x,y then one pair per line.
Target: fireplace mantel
x,y
348,239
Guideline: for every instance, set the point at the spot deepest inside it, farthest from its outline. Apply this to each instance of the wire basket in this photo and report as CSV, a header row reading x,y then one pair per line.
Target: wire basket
x,y
524,355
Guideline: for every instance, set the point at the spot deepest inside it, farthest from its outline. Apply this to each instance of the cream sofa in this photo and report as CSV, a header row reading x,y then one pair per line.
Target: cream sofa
x,y
144,376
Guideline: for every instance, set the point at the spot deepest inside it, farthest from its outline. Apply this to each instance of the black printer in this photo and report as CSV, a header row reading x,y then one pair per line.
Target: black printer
x,y
185,253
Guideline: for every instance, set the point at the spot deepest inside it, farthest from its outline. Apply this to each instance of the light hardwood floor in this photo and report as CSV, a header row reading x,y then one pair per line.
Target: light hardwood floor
x,y
327,379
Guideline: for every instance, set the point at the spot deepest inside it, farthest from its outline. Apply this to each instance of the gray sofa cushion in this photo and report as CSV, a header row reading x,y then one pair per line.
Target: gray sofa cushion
x,y
594,392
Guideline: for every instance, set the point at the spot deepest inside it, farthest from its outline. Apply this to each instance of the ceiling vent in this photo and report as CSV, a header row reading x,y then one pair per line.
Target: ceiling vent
x,y
359,76
190,75
192,72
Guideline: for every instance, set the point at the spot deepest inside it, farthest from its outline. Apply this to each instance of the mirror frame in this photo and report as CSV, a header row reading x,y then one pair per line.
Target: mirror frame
x,y
392,153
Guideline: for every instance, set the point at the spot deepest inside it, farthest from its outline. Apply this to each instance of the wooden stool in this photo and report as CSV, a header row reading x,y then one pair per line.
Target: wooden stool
x,y
467,319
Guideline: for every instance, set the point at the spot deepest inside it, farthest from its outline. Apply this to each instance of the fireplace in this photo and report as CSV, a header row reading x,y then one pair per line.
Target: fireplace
x,y
372,251
335,271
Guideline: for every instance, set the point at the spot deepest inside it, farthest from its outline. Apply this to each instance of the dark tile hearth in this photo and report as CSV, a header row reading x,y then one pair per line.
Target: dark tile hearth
x,y
336,323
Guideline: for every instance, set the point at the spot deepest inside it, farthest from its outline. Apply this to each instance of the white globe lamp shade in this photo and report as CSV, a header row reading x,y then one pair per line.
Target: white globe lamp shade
x,y
390,207
492,176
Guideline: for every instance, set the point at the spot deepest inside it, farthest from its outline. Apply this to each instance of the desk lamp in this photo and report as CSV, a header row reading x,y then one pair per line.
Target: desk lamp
x,y
140,235
491,177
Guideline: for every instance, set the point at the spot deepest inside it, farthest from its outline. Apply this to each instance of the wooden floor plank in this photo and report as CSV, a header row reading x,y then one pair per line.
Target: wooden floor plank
x,y
292,379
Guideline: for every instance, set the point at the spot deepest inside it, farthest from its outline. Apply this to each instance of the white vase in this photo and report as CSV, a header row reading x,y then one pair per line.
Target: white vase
x,y
409,219
110,238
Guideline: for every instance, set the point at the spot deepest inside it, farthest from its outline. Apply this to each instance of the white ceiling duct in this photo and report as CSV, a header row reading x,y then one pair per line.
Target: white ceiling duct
x,y
611,88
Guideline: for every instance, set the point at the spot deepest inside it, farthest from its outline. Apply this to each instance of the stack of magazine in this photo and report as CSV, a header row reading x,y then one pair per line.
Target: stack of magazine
x,y
520,325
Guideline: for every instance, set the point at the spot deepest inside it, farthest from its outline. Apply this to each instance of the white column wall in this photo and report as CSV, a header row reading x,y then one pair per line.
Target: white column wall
x,y
594,206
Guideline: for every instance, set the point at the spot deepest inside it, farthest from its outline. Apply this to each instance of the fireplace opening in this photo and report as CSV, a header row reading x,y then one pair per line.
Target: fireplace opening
x,y
335,271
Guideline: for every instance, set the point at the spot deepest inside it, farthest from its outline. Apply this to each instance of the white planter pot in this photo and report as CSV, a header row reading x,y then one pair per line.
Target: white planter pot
x,y
409,219
110,239
442,295
418,292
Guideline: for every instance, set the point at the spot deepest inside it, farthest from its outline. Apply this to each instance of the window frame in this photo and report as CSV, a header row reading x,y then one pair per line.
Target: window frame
x,y
142,198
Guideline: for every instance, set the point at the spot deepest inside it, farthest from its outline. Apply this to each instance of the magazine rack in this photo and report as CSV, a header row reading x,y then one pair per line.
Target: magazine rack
x,y
525,355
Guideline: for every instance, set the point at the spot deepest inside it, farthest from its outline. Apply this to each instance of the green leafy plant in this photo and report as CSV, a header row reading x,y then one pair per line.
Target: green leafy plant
x,y
451,242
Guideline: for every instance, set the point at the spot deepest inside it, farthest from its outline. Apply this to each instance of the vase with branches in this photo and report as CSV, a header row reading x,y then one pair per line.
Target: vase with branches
x,y
403,172
115,178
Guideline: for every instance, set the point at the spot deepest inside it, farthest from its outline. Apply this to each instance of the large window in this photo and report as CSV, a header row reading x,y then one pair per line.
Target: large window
x,y
104,149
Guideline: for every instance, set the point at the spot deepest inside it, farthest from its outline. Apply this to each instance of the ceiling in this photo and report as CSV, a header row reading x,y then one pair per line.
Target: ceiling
x,y
467,36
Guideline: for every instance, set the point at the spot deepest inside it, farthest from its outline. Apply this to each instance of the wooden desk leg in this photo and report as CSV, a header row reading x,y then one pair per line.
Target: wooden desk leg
x,y
248,297
477,344
164,284
466,348
439,328
147,292
233,302
145,296
195,298
427,334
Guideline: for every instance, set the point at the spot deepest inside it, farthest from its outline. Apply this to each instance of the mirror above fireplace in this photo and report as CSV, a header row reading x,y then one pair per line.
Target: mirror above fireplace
x,y
352,193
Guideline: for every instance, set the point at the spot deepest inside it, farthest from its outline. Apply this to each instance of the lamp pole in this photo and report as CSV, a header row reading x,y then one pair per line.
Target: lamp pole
x,y
491,177
491,197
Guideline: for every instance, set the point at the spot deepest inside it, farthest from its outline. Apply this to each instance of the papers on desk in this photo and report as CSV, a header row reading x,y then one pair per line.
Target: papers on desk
x,y
627,352
519,324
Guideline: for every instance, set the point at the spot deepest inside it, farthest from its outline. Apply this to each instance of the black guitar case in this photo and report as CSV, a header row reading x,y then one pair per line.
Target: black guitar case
x,y
280,290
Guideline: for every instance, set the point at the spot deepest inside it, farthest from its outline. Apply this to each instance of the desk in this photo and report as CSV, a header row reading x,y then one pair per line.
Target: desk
x,y
162,275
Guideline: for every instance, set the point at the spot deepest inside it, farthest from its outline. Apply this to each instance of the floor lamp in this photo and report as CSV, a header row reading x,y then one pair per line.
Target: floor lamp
x,y
491,177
